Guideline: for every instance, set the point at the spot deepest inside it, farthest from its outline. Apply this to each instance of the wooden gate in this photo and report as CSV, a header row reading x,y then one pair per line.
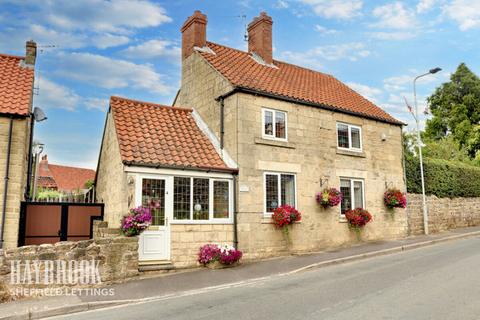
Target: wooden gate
x,y
43,222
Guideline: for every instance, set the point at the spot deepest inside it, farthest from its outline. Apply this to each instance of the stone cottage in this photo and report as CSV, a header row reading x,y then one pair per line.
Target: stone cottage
x,y
279,134
16,94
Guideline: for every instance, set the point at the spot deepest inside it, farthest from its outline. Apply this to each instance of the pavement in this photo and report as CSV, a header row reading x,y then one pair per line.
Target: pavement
x,y
433,282
202,279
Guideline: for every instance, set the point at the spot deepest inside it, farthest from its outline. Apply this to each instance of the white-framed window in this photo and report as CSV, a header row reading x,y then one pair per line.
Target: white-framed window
x,y
349,137
274,124
280,189
197,199
353,194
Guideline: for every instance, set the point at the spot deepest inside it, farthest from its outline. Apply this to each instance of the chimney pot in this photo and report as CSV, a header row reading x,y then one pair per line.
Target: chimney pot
x,y
31,52
194,33
260,37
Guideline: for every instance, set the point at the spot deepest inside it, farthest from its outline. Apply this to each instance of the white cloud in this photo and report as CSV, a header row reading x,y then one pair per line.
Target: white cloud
x,y
394,35
368,92
466,13
395,16
324,30
102,15
281,4
425,5
153,49
110,73
52,95
314,57
96,104
108,40
339,9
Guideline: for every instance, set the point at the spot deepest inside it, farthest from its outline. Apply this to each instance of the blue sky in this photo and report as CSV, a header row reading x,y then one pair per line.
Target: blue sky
x,y
92,49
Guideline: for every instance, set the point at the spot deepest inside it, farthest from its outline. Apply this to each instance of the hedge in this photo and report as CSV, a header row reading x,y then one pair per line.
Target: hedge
x,y
443,178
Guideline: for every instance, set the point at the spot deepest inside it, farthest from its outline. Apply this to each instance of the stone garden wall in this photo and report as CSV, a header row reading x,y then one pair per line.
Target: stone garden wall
x,y
114,259
443,213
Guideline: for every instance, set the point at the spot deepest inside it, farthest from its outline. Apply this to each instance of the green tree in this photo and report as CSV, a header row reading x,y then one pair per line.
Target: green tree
x,y
455,107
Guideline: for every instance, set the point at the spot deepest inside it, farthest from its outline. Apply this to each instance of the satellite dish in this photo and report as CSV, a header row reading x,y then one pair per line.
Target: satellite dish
x,y
39,115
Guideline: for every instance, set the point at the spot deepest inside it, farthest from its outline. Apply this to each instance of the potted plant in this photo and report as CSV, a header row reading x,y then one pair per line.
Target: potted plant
x,y
137,220
357,219
284,216
394,198
329,197
216,256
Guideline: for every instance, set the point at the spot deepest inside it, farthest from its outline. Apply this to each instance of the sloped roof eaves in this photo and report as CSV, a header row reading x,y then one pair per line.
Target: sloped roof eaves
x,y
307,103
189,168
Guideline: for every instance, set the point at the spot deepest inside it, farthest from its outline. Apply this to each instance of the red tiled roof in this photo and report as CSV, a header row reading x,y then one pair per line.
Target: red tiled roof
x,y
47,182
292,82
63,178
152,134
16,85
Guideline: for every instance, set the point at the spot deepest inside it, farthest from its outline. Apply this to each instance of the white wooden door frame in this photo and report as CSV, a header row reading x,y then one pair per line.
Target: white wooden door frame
x,y
168,214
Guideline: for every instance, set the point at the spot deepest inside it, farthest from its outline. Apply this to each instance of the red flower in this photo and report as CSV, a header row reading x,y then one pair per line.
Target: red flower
x,y
358,218
394,198
285,215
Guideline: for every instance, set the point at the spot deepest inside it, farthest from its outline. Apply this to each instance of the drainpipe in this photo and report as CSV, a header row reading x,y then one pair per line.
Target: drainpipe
x,y
7,176
29,169
222,122
235,231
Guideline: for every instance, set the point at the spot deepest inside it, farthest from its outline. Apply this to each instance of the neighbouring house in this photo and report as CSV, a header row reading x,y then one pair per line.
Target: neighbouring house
x,y
260,133
65,179
16,94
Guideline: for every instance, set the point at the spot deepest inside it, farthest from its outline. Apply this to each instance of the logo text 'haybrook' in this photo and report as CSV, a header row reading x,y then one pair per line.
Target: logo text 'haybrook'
x,y
71,272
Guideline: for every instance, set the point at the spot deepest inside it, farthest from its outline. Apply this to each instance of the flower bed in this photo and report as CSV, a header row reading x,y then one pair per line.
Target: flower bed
x,y
394,198
215,253
136,221
329,197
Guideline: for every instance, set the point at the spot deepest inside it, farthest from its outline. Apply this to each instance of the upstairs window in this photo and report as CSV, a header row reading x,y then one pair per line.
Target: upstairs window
x,y
274,124
349,137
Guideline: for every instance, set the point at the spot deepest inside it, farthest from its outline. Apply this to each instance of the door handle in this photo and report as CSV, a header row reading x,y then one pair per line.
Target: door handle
x,y
166,221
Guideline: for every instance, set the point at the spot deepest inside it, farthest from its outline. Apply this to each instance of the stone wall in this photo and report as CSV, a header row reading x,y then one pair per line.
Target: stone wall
x,y
111,185
186,240
117,257
18,174
443,213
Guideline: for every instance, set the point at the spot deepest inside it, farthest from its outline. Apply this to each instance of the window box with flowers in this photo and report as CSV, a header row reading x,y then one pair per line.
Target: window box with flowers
x,y
357,219
283,217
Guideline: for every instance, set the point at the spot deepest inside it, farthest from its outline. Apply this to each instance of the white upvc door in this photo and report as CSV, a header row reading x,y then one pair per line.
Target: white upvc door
x,y
155,192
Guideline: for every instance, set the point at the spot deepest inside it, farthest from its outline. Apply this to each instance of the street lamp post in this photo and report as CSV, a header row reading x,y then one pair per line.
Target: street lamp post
x,y
419,142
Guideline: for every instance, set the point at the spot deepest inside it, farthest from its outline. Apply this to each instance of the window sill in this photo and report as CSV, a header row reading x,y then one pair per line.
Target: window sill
x,y
342,219
201,222
275,143
359,154
268,220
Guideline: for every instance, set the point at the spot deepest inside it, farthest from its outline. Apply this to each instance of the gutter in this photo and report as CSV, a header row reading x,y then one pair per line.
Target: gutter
x,y
186,168
7,177
307,103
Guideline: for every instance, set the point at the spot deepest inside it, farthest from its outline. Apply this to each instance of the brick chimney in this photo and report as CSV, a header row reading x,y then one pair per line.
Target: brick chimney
x,y
31,53
194,33
260,37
